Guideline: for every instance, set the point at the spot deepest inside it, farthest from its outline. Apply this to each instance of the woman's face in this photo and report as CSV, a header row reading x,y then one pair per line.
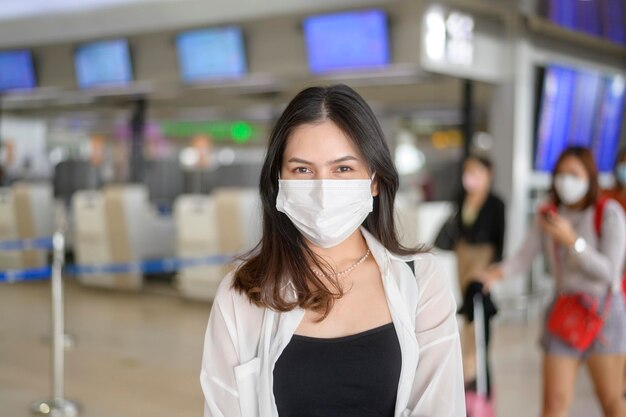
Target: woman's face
x,y
322,151
571,181
476,177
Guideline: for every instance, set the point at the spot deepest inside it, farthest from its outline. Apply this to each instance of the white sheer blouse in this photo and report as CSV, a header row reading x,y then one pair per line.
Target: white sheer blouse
x,y
243,342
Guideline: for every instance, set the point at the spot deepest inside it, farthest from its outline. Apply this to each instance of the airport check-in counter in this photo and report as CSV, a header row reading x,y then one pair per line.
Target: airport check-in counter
x,y
226,222
25,213
116,226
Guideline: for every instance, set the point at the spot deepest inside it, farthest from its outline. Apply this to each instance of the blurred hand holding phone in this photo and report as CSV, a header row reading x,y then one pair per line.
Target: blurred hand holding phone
x,y
548,211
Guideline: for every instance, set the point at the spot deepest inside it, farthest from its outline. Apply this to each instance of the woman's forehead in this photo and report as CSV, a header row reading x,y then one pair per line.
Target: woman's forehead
x,y
318,141
571,162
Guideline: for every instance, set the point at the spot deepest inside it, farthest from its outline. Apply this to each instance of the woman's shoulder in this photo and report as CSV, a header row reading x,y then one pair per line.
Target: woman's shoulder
x,y
430,276
494,200
241,319
426,266
613,210
229,299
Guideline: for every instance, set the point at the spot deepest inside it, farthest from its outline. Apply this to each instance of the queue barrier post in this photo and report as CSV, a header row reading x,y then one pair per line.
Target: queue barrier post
x,y
58,405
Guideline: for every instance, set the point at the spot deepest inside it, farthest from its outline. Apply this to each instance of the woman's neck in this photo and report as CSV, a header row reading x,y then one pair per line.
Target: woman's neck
x,y
345,253
476,198
576,207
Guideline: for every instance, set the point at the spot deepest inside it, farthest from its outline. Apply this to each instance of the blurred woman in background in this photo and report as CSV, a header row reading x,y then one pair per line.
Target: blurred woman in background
x,y
583,237
479,242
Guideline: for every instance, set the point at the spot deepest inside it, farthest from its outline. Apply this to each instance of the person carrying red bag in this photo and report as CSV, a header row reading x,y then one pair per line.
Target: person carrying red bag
x,y
586,323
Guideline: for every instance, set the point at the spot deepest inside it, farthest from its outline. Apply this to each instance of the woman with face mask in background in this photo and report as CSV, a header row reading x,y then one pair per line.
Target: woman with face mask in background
x,y
583,261
324,317
480,221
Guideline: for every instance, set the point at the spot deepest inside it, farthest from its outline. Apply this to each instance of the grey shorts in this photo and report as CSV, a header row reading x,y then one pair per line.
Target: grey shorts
x,y
612,338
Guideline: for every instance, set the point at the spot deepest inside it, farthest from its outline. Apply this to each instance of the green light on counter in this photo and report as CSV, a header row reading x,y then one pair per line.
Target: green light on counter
x,y
241,132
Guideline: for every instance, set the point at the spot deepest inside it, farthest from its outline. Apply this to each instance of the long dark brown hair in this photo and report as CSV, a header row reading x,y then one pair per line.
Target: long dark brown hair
x,y
282,254
586,158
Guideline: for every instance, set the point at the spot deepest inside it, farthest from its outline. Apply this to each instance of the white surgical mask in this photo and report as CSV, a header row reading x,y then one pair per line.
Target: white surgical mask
x,y
570,188
326,212
471,182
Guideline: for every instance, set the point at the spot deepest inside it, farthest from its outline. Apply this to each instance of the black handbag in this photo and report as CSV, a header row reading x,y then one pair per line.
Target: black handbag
x,y
449,234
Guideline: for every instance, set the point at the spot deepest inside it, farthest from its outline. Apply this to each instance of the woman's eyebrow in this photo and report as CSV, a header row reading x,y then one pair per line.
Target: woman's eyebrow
x,y
300,161
335,161
343,159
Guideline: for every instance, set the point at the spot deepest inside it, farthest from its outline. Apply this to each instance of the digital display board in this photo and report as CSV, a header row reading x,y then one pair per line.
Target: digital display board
x,y
103,64
207,54
347,41
579,108
17,71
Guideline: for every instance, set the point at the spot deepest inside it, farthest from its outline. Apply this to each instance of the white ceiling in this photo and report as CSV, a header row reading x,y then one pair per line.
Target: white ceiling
x,y
13,9
27,23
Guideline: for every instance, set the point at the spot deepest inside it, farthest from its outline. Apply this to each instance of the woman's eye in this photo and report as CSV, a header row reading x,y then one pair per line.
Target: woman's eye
x,y
301,170
344,169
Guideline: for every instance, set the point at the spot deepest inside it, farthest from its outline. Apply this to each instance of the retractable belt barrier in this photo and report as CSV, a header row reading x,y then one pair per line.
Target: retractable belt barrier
x,y
153,266
41,243
34,274
57,405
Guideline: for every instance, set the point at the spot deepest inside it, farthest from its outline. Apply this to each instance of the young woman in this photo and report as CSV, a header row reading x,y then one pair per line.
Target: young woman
x,y
581,261
480,221
325,317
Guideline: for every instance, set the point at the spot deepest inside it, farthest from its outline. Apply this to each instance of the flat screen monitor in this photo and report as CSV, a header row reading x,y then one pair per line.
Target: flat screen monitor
x,y
552,128
610,120
347,41
214,53
72,175
605,18
578,108
584,108
614,20
164,180
17,71
103,64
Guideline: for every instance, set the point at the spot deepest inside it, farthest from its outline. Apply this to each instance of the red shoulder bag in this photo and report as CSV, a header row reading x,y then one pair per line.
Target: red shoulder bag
x,y
575,319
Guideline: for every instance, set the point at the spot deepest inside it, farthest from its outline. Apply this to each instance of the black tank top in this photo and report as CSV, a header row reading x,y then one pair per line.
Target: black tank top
x,y
351,376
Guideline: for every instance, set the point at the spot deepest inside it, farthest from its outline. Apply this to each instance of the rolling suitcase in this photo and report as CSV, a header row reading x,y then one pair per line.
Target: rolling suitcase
x,y
479,403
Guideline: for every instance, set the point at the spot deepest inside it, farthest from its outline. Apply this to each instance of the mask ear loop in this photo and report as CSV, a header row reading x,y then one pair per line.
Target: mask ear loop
x,y
372,179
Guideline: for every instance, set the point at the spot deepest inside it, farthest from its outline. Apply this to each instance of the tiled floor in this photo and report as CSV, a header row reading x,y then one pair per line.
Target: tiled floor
x,y
138,355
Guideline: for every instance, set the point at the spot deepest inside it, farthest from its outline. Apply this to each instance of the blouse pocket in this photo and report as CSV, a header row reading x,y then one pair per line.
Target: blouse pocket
x,y
247,377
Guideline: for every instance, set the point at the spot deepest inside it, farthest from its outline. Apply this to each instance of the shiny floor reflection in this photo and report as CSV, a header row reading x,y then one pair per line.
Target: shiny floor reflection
x,y
137,355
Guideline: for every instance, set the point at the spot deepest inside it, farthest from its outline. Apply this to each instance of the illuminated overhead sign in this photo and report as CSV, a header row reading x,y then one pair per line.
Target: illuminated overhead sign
x,y
465,46
449,36
238,132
